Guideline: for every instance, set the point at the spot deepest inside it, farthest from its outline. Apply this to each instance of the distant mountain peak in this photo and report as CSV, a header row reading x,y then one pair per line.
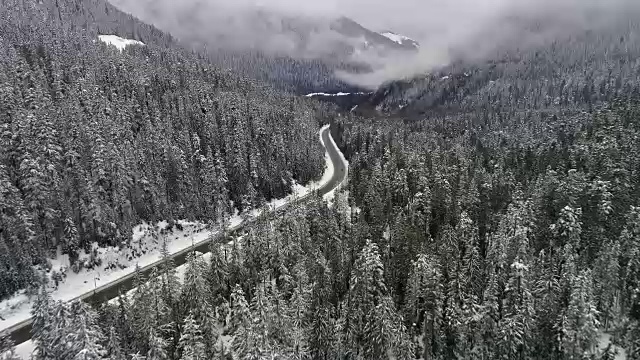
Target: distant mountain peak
x,y
388,39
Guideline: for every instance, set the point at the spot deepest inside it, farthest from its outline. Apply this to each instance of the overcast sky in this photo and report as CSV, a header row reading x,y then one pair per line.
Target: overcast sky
x,y
472,28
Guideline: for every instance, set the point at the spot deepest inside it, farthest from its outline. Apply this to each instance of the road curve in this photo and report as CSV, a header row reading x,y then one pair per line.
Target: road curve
x,y
21,332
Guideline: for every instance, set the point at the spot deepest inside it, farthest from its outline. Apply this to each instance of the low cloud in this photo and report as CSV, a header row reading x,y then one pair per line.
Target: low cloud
x,y
474,30
447,30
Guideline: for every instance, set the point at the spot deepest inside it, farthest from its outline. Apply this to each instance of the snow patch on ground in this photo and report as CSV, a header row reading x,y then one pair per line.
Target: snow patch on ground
x,y
386,234
336,94
400,39
143,250
604,340
25,349
118,42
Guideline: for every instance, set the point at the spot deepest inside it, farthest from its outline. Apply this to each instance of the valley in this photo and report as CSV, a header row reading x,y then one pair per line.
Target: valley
x,y
472,193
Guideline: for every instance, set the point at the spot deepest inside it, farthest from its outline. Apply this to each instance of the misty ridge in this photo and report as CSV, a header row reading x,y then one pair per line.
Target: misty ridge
x,y
448,32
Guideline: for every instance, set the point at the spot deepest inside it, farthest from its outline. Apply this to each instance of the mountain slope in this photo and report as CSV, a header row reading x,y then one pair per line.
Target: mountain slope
x,y
575,72
351,29
95,140
299,53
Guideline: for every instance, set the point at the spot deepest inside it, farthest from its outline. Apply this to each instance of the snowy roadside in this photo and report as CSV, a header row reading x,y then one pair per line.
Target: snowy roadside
x,y
144,250
24,350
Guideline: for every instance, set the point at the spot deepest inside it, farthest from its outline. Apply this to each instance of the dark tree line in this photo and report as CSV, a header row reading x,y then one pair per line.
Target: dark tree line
x,y
95,140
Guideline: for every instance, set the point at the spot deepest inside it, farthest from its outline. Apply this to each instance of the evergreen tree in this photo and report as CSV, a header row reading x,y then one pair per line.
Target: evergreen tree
x,y
241,322
580,323
374,328
191,341
43,326
84,335
424,303
157,347
114,348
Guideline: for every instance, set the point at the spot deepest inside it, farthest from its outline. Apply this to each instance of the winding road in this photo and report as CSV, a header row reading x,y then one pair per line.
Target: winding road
x,y
21,332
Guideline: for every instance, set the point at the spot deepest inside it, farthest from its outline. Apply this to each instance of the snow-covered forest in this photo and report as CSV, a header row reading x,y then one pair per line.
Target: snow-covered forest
x,y
491,209
95,141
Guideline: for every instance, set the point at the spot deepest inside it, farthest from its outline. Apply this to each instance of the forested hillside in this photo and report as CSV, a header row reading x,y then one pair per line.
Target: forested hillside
x,y
522,246
95,141
569,71
298,53
253,42
299,76
449,244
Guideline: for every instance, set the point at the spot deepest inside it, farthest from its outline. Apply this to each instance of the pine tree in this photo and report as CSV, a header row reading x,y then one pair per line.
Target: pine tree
x,y
191,341
323,342
194,291
84,335
123,325
42,328
241,324
217,274
157,347
424,302
606,271
114,349
374,328
298,313
515,326
16,238
580,323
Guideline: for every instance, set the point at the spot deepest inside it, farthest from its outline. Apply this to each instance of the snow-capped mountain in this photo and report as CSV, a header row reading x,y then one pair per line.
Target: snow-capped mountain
x,y
384,42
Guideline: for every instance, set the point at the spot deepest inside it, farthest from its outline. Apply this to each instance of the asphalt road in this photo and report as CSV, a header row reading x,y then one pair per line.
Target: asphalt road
x,y
21,332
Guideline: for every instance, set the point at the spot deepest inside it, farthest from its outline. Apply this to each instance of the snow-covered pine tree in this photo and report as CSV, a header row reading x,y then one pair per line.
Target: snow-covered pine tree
x,y
244,342
424,303
191,341
580,323
375,328
84,338
43,327
114,347
157,347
